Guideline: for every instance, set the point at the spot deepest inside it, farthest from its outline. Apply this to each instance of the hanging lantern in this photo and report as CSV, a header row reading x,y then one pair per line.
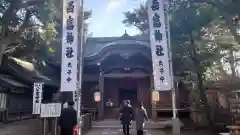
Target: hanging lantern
x,y
97,96
155,96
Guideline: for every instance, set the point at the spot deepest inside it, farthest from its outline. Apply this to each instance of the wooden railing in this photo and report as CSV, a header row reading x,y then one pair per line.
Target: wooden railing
x,y
168,107
86,122
13,116
235,113
235,110
52,124
92,111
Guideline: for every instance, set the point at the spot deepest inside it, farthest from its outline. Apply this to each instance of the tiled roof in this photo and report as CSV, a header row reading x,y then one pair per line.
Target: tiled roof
x,y
10,80
95,44
28,72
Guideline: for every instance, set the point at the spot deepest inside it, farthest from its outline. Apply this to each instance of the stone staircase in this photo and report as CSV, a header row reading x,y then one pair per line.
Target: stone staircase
x,y
234,108
113,123
234,103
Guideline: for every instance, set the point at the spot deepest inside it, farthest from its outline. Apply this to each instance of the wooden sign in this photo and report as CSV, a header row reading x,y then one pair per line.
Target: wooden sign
x,y
51,110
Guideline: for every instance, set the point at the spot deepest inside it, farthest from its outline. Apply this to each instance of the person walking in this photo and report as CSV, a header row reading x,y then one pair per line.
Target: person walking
x,y
68,119
140,117
126,116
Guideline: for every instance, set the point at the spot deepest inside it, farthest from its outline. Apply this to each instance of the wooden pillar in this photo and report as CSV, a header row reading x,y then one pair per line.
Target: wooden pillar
x,y
101,88
154,111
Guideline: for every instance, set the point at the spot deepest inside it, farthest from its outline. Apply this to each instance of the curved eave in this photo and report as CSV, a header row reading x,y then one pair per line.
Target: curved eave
x,y
121,50
118,43
19,69
139,68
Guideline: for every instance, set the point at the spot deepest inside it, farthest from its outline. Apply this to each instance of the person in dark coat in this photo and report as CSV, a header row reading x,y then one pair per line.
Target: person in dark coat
x,y
68,119
126,116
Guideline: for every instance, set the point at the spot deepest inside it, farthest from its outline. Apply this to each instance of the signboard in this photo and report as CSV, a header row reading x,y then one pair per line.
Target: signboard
x,y
50,110
75,99
159,45
69,46
37,97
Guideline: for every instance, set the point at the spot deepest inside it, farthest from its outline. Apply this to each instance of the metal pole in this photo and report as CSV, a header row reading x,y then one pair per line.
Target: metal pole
x,y
44,126
80,50
55,126
175,120
170,60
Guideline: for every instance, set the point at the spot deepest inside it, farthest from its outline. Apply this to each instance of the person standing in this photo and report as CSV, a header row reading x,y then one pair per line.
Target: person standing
x,y
140,117
68,119
126,116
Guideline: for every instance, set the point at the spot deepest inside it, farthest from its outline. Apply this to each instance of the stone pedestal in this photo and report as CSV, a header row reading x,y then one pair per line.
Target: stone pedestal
x,y
234,130
176,125
154,112
199,117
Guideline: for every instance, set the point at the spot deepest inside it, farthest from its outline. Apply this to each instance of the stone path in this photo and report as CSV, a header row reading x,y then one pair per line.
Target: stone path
x,y
116,131
25,127
113,127
31,127
113,123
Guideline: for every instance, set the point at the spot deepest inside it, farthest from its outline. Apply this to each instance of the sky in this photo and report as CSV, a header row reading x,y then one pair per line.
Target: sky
x,y
107,17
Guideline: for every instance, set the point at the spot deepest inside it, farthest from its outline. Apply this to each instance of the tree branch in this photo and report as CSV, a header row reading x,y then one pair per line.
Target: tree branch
x,y
227,17
230,25
210,2
139,27
8,12
15,35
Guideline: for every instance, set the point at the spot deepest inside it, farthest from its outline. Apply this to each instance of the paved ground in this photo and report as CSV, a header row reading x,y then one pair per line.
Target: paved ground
x,y
115,131
31,127
113,127
25,127
113,123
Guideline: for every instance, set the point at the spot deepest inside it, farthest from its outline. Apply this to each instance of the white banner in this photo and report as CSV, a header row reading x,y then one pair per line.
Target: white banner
x,y
69,46
51,110
159,45
3,101
75,99
37,97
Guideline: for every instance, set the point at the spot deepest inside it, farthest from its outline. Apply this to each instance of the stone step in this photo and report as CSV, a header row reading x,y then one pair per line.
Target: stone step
x,y
224,133
148,125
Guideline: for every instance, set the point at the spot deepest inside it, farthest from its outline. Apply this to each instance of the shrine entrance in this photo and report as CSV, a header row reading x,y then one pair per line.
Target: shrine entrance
x,y
117,89
128,94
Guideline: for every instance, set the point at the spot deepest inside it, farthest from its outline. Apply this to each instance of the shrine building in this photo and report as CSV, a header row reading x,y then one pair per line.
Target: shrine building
x,y
120,68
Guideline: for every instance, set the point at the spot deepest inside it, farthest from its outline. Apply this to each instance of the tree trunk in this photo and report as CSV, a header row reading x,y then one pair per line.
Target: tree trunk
x,y
198,71
2,51
222,72
232,63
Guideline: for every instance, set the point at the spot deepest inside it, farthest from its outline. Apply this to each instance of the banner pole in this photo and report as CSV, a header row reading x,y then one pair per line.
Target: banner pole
x,y
175,120
44,126
80,68
56,126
